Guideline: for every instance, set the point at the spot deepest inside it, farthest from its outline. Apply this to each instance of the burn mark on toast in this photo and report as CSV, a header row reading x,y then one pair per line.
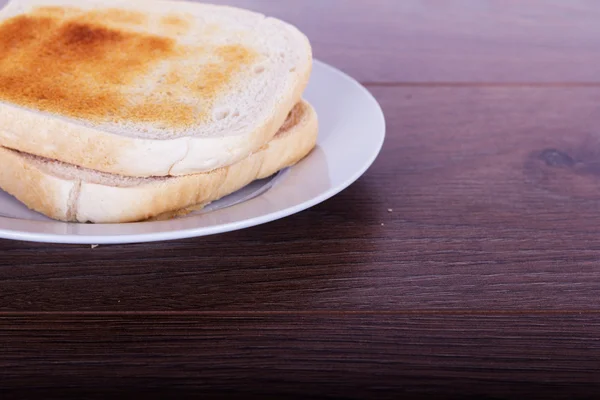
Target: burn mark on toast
x,y
85,38
214,76
55,12
118,16
84,66
175,24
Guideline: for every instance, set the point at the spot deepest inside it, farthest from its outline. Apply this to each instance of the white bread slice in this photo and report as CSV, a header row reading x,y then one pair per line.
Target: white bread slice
x,y
145,88
70,193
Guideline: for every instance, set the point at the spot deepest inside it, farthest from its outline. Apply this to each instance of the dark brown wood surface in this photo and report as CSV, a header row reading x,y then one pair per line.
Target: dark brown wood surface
x,y
464,263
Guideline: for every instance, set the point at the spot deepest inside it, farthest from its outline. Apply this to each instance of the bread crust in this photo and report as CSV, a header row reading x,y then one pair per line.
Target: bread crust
x,y
65,198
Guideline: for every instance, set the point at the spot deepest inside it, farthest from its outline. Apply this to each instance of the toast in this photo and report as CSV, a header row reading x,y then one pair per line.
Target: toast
x,y
70,193
145,88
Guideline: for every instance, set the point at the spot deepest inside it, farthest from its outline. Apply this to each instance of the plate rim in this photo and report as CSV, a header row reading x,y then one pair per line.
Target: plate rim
x,y
170,235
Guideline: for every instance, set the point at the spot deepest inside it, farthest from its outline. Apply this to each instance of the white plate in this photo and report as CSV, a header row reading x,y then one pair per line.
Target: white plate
x,y
351,133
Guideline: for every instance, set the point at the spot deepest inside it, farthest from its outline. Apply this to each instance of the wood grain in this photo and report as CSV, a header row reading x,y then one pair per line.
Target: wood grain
x,y
322,356
463,264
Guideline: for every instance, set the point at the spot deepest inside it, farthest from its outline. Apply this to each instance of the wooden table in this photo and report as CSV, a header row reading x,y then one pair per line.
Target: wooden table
x,y
466,261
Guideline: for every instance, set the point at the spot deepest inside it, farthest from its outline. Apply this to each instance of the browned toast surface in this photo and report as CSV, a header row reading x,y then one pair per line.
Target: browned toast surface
x,y
90,65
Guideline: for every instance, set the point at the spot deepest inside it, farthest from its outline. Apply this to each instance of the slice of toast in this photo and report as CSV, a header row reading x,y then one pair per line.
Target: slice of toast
x,y
145,88
71,193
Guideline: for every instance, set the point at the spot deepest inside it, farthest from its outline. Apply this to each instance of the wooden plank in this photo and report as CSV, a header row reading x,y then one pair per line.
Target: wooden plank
x,y
332,354
495,205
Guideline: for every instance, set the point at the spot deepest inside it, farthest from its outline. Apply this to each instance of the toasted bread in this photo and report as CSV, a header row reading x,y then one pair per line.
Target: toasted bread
x,y
70,193
145,88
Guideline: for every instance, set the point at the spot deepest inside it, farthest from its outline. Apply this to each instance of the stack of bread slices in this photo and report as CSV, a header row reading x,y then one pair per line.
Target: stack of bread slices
x,y
123,110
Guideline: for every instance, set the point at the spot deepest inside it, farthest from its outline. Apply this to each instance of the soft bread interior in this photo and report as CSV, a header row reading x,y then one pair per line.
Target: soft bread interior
x,y
71,193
